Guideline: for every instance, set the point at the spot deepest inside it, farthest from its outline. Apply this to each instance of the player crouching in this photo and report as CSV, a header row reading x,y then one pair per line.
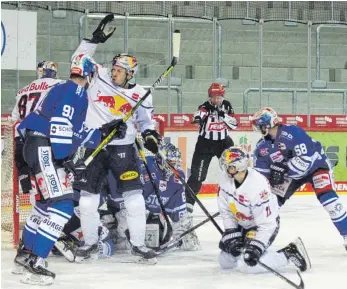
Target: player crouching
x,y
172,196
250,215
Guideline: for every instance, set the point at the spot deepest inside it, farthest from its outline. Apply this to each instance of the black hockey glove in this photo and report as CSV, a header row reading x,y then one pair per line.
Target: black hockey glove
x,y
76,167
252,252
117,124
277,172
231,242
151,138
197,120
104,30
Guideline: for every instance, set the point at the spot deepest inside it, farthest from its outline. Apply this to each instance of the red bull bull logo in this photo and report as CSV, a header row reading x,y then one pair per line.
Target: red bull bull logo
x,y
231,156
116,104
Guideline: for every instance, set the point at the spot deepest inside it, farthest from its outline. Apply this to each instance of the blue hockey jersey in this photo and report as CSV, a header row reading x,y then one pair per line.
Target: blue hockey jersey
x,y
60,117
171,191
292,147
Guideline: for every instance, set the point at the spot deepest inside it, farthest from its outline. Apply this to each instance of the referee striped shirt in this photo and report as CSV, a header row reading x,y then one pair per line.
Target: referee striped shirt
x,y
212,126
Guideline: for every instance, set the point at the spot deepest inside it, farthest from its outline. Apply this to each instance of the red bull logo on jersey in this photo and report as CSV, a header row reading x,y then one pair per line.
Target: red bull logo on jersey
x,y
239,215
116,104
34,86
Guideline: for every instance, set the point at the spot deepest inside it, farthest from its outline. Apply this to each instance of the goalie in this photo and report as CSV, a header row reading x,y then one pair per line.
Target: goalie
x,y
172,196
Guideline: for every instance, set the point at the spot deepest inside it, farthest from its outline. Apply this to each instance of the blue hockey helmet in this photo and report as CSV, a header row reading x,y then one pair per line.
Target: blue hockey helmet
x,y
265,119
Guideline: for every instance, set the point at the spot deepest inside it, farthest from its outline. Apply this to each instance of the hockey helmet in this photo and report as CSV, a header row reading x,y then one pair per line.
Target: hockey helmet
x,y
265,119
84,66
128,62
234,157
172,154
216,89
47,69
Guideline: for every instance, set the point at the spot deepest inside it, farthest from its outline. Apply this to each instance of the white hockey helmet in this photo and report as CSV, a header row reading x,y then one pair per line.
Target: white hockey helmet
x,y
128,62
84,66
234,157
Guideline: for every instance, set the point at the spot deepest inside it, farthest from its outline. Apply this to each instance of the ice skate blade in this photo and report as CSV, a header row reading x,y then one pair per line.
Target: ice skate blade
x,y
18,270
40,280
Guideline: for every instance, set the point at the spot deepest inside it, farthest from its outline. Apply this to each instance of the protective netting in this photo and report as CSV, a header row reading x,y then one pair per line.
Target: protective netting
x,y
315,11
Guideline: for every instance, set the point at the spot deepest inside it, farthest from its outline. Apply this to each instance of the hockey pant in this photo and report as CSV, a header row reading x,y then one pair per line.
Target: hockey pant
x,y
122,161
323,183
55,207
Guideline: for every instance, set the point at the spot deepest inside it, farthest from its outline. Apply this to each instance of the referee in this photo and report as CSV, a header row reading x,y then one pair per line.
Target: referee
x,y
214,117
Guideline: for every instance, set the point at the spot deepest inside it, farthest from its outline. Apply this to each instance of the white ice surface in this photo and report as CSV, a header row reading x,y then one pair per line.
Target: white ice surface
x,y
301,216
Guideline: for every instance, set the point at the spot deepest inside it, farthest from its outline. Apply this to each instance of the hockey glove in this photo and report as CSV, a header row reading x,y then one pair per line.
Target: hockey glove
x,y
151,138
117,124
197,120
231,242
253,252
277,172
105,30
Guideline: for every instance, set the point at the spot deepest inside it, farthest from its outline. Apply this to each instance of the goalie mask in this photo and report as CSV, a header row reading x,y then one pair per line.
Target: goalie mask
x,y
233,157
47,69
265,119
173,155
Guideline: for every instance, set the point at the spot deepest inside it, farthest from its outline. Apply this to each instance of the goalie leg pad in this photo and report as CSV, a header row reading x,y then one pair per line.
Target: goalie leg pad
x,y
136,217
51,227
90,218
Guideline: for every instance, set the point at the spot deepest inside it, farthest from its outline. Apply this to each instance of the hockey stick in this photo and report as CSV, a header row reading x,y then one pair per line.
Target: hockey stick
x,y
176,50
140,148
172,244
300,286
190,191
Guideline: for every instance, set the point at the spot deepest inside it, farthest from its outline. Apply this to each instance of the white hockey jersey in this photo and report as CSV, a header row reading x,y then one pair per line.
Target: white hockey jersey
x,y
252,205
108,101
28,97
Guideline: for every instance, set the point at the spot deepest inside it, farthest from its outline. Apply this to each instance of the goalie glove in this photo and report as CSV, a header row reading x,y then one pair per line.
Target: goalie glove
x,y
151,138
104,30
230,121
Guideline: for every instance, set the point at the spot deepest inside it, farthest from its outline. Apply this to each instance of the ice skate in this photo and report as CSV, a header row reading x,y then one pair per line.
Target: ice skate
x,y
37,273
297,254
87,252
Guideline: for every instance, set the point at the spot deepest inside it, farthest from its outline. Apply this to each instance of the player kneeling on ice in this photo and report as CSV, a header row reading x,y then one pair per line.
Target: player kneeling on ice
x,y
250,216
172,196
51,135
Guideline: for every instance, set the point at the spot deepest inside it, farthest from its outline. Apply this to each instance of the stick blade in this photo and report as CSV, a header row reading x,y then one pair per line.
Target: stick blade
x,y
176,43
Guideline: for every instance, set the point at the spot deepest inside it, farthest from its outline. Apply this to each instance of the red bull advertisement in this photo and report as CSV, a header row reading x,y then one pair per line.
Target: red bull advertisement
x,y
116,104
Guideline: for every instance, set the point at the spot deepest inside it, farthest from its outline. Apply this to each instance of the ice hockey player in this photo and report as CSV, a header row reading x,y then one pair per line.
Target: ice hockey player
x,y
51,136
172,196
27,99
289,158
110,99
251,221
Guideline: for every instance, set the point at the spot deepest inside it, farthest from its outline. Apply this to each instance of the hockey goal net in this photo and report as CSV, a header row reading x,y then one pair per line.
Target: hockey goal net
x,y
16,206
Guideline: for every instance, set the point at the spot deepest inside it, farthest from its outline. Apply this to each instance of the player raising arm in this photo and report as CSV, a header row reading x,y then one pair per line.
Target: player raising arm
x,y
250,216
110,99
